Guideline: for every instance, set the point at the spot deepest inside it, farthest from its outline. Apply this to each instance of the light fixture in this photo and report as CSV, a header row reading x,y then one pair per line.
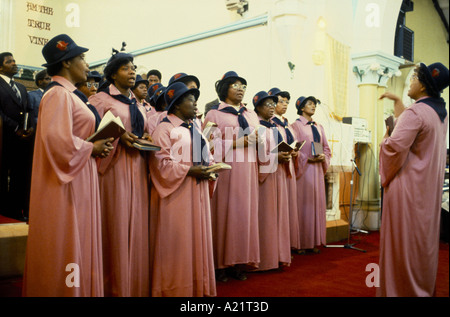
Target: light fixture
x,y
321,23
240,6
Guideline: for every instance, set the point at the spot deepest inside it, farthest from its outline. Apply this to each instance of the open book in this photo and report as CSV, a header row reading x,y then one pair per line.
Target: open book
x,y
217,167
208,129
145,145
110,127
284,147
316,148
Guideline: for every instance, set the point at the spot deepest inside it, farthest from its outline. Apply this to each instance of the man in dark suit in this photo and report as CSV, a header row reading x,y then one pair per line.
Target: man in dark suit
x,y
17,145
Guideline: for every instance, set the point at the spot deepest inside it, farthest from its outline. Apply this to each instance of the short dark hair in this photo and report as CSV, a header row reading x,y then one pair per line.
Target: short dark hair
x,y
2,57
285,94
155,72
54,69
114,67
40,76
429,87
223,85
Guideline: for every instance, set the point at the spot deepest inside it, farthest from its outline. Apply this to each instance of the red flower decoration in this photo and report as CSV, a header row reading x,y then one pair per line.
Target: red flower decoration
x,y
170,93
270,93
255,99
435,73
176,76
61,45
155,87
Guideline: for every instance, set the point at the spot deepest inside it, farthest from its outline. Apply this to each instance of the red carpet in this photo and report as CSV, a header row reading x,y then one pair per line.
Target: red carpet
x,y
335,272
4,220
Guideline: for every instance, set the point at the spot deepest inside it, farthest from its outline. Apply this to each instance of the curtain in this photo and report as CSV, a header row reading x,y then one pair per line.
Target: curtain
x,y
337,73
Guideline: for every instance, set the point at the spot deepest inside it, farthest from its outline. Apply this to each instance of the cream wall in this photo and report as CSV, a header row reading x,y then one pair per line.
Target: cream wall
x,y
430,45
260,53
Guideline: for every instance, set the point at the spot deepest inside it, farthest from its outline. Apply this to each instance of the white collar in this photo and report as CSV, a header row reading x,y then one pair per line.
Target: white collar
x,y
6,78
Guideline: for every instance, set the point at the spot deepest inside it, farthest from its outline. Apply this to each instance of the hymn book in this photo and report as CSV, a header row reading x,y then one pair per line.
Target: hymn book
x,y
213,169
145,145
217,167
390,123
316,148
284,147
110,127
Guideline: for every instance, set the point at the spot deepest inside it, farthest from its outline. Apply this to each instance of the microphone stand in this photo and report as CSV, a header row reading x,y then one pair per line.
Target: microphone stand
x,y
350,215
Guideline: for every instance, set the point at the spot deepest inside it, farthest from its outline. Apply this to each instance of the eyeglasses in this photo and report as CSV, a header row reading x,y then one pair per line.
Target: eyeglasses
x,y
237,86
90,85
413,77
270,104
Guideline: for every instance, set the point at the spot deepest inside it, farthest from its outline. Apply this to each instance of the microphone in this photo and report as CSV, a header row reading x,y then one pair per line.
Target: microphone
x,y
354,164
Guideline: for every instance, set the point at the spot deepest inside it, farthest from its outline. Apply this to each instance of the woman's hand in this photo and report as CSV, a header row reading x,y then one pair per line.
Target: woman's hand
x,y
102,148
147,137
284,157
317,159
241,142
399,107
127,139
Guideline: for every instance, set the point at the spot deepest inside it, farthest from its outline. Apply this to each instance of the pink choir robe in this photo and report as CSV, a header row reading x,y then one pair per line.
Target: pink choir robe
x,y
311,198
412,162
154,120
181,249
125,206
234,205
149,110
64,247
291,183
273,215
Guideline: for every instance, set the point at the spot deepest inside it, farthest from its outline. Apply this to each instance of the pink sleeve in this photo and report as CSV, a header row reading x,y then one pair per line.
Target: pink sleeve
x,y
218,135
326,151
395,149
302,158
267,161
102,107
67,153
167,174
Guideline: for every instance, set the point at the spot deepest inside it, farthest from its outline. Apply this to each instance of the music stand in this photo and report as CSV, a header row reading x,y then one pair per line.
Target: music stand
x,y
350,215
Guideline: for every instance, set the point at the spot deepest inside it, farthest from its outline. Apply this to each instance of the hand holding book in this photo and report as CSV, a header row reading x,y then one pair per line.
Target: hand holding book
x,y
102,148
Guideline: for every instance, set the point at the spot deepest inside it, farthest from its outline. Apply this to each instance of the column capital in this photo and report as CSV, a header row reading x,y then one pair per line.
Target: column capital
x,y
376,67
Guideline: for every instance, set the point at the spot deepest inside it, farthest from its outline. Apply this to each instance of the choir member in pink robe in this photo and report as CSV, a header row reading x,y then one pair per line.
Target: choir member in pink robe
x,y
412,163
273,215
64,246
310,173
159,104
140,92
234,204
190,81
288,136
124,187
182,263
